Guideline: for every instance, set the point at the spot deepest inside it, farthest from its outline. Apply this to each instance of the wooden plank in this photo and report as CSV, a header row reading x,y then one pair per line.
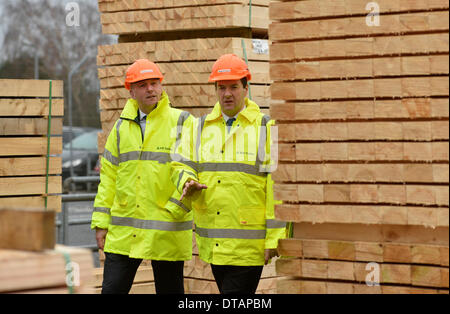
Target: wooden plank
x,y
30,126
12,186
297,10
29,166
27,146
364,193
359,68
32,202
369,130
356,26
30,88
362,214
113,6
367,152
372,233
30,107
29,230
386,45
364,251
407,108
361,88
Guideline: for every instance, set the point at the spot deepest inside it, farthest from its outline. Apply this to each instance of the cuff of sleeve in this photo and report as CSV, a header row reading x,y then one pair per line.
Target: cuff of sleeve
x,y
177,208
100,220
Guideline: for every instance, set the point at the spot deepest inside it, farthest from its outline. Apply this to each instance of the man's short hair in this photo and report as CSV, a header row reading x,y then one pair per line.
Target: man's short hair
x,y
243,80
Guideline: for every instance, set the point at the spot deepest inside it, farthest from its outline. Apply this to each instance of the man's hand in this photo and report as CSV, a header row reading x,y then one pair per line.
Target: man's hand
x,y
190,187
268,254
100,236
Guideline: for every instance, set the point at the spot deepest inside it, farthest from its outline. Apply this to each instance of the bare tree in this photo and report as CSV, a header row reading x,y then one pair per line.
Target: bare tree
x,y
44,27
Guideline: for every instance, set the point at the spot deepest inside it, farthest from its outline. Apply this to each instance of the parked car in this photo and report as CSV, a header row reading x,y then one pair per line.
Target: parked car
x,y
84,155
77,131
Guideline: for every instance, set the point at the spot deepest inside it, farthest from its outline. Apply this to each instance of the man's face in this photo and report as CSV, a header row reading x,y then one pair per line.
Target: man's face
x,y
147,93
231,96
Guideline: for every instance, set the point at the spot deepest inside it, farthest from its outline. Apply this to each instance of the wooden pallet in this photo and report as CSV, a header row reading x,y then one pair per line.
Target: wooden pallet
x,y
363,124
24,113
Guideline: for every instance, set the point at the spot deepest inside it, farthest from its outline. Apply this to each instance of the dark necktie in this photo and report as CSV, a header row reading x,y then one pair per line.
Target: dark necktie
x,y
230,123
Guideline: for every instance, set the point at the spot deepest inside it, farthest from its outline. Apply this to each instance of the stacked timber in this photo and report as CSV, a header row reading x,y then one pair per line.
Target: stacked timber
x,y
24,117
364,145
60,270
184,38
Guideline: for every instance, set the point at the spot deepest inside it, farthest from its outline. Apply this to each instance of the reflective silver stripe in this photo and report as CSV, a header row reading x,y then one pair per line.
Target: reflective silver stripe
x,y
201,124
250,169
102,210
231,233
274,224
154,156
129,156
119,123
151,224
262,142
109,157
182,118
160,157
175,201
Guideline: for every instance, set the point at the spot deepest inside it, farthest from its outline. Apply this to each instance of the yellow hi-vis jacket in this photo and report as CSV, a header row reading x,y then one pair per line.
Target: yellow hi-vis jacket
x,y
234,217
137,201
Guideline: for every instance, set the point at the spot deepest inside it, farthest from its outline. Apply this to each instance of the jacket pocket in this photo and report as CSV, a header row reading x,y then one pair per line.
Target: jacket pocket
x,y
122,199
252,216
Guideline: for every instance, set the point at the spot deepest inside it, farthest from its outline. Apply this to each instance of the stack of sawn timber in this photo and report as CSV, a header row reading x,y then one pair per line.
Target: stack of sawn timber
x,y
60,270
29,260
24,113
184,38
364,145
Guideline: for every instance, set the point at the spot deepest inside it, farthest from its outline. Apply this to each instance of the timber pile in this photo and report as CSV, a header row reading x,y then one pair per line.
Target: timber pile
x,y
58,271
24,113
184,38
364,137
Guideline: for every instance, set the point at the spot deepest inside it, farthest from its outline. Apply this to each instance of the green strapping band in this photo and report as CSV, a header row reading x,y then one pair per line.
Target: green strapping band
x,y
48,142
250,14
69,271
246,61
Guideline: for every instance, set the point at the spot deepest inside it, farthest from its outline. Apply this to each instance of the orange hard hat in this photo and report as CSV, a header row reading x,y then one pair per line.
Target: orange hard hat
x,y
229,67
140,70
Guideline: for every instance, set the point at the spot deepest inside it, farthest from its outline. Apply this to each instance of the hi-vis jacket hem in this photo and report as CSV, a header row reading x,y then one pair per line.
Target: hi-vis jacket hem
x,y
137,201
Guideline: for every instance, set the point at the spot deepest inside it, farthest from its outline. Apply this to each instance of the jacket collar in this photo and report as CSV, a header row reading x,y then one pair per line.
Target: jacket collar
x,y
131,109
250,112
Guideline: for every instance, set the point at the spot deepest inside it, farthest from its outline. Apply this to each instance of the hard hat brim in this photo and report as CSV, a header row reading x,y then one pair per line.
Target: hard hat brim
x,y
229,77
144,77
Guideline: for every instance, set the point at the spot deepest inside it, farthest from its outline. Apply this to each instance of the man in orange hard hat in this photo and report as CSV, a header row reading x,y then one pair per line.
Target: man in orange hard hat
x,y
137,213
230,184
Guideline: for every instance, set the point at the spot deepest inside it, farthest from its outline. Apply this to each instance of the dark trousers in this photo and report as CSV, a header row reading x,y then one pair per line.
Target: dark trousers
x,y
119,272
237,279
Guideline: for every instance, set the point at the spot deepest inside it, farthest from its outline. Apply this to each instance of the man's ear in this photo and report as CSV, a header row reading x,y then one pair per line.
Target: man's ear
x,y
132,94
